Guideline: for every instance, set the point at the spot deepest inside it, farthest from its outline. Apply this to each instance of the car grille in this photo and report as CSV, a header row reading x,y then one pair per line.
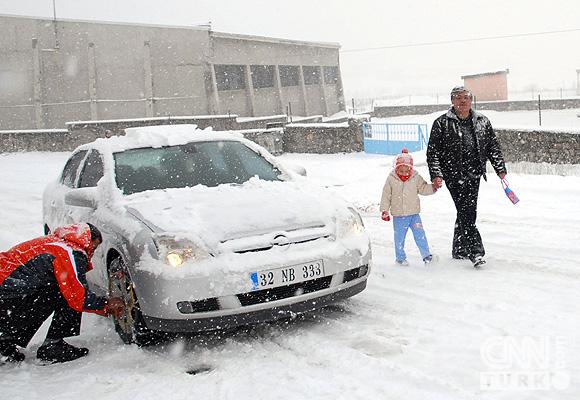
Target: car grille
x,y
267,295
283,292
267,241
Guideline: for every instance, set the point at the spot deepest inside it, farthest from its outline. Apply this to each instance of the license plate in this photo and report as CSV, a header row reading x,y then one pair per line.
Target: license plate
x,y
287,275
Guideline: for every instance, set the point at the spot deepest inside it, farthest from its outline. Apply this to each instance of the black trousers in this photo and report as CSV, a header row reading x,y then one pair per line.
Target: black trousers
x,y
20,318
466,238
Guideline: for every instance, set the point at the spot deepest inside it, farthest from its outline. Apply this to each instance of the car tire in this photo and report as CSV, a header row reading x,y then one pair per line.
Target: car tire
x,y
131,326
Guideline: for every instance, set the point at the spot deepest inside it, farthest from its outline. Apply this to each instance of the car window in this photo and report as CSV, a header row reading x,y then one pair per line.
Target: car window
x,y
199,163
92,170
69,173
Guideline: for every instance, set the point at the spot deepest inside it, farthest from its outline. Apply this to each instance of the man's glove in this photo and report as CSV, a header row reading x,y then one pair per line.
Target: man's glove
x,y
385,216
115,307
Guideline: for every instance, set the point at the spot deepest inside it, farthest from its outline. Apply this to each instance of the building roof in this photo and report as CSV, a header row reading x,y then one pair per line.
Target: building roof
x,y
201,27
503,71
236,36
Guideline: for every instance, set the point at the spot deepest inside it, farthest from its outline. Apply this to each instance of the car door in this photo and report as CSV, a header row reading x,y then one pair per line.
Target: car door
x,y
91,171
54,209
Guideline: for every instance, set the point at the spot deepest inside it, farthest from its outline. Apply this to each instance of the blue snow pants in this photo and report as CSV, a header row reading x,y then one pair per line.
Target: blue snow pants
x,y
400,226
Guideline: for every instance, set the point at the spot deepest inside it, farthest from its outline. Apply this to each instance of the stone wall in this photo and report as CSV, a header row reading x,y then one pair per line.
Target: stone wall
x,y
271,139
81,132
35,140
344,137
394,111
539,146
517,145
260,122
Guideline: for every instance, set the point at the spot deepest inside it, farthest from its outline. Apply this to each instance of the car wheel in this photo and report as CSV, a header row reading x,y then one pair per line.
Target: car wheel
x,y
130,327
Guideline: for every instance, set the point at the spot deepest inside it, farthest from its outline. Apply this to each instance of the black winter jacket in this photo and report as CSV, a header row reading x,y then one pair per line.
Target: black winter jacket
x,y
444,150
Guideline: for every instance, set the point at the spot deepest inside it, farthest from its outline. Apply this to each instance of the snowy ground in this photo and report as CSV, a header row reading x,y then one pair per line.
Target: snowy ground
x,y
437,332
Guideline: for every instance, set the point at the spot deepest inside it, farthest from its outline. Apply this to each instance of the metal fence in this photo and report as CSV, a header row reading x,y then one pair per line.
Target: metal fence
x,y
383,138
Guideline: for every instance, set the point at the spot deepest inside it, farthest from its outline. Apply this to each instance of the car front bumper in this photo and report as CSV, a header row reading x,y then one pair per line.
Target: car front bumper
x,y
276,312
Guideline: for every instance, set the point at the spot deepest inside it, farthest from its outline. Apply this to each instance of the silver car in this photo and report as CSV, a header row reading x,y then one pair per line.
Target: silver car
x,y
206,230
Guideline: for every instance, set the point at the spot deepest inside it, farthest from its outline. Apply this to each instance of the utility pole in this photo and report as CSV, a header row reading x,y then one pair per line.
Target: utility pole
x,y
578,82
56,44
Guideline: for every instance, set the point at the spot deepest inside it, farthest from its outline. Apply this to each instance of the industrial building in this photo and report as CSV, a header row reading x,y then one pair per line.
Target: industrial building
x,y
55,71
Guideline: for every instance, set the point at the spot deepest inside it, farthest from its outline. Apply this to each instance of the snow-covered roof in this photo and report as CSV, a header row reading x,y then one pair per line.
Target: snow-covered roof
x,y
159,136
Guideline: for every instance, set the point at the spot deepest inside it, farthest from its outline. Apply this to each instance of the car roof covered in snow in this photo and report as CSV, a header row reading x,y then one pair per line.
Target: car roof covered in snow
x,y
160,136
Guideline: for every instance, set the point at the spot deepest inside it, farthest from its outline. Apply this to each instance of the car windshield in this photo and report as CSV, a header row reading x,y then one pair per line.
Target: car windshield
x,y
200,163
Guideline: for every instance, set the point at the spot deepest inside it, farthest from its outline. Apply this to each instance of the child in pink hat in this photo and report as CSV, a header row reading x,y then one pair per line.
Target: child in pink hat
x,y
401,197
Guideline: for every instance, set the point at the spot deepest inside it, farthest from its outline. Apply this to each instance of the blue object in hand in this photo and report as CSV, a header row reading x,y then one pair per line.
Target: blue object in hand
x,y
509,193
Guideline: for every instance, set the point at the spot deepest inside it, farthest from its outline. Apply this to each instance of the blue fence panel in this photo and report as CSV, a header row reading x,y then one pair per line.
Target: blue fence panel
x,y
383,138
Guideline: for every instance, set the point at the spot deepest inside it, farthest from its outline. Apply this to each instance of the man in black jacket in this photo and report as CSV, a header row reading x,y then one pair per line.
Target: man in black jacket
x,y
461,142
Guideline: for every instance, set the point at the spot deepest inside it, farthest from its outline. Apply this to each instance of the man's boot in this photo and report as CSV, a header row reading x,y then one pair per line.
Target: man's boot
x,y
58,351
9,352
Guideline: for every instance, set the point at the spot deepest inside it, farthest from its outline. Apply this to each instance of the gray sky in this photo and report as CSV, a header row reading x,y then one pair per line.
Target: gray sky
x,y
535,61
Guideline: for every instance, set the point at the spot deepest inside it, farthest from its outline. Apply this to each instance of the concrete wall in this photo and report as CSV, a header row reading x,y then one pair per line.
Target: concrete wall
x,y
75,70
266,102
236,49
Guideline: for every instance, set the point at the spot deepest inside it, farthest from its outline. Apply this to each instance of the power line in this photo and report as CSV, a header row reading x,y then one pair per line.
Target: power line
x,y
396,46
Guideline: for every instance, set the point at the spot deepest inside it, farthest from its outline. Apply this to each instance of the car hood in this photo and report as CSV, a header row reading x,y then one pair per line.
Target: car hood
x,y
233,212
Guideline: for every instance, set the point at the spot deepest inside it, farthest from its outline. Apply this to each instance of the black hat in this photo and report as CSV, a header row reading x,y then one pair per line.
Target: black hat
x,y
95,233
460,89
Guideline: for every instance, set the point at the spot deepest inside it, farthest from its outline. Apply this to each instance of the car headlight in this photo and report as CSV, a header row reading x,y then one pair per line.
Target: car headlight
x,y
175,252
352,225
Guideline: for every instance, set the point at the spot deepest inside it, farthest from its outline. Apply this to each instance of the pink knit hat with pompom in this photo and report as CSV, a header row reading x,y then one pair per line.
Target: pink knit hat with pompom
x,y
404,159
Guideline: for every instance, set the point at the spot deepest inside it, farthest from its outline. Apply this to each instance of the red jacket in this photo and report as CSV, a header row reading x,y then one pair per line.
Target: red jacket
x,y
62,258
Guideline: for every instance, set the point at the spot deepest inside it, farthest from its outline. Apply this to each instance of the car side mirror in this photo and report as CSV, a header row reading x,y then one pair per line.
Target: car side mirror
x,y
82,197
299,169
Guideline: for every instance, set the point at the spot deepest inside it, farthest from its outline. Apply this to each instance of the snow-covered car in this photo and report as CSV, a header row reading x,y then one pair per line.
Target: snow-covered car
x,y
206,230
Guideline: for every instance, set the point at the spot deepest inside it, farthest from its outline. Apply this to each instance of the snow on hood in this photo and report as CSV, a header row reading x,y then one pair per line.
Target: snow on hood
x,y
234,211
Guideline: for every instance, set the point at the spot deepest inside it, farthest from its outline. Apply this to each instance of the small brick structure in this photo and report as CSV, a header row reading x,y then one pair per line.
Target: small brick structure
x,y
488,86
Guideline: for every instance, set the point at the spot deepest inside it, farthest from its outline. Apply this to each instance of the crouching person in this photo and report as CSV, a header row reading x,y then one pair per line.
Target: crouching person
x,y
47,275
